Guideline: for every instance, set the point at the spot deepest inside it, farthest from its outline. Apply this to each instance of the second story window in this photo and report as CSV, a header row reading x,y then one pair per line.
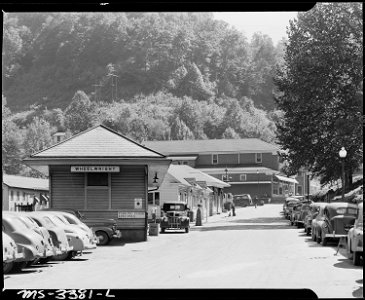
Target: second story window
x,y
215,159
243,177
258,158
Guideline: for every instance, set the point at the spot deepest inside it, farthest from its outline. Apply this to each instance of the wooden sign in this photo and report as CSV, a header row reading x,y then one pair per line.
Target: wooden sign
x,y
84,169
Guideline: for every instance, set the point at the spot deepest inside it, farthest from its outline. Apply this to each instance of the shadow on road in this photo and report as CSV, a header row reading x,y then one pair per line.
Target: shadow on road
x,y
260,220
345,263
25,271
248,224
113,242
359,292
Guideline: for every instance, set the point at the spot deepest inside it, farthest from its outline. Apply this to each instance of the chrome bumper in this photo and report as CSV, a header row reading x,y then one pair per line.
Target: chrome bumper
x,y
333,235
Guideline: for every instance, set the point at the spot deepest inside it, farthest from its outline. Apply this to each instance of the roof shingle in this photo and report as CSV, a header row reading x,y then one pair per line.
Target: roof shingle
x,y
211,146
99,141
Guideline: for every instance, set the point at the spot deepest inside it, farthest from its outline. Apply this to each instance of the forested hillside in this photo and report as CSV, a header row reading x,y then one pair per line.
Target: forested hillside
x,y
48,57
150,76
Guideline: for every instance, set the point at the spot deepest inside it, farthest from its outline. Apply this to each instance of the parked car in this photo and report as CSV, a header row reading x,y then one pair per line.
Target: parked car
x,y
311,214
288,205
11,253
58,235
76,236
73,220
355,238
175,216
26,239
105,229
333,221
50,250
303,212
295,211
242,200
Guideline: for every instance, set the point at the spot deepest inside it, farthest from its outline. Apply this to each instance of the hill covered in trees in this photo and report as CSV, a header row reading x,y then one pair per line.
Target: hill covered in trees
x,y
150,76
48,57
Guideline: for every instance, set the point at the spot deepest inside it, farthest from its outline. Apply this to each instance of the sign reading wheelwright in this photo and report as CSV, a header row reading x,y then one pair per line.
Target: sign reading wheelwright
x,y
95,169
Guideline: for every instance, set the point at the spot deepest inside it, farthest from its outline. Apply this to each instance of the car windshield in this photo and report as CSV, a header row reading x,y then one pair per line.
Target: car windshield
x,y
179,207
72,219
346,210
48,221
57,220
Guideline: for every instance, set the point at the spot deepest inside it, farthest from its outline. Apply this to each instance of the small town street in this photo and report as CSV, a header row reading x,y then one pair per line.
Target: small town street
x,y
255,249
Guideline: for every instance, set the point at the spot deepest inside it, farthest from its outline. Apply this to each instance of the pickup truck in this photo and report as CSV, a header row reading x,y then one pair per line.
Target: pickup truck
x,y
104,229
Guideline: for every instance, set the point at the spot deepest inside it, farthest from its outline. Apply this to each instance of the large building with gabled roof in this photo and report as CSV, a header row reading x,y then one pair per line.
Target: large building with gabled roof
x,y
102,173
250,165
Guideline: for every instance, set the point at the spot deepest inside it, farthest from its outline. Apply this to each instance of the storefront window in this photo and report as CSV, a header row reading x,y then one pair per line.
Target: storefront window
x,y
150,198
97,179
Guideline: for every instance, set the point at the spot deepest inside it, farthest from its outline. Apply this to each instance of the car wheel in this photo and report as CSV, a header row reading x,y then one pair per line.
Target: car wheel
x,y
324,239
356,258
18,266
7,266
187,229
318,238
62,256
103,237
45,260
307,231
71,255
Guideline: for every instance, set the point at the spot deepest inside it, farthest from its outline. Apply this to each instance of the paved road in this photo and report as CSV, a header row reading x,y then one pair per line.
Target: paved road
x,y
255,249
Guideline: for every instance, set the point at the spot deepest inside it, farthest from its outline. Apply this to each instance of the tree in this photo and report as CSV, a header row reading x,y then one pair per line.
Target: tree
x,y
38,136
229,133
80,113
320,88
11,142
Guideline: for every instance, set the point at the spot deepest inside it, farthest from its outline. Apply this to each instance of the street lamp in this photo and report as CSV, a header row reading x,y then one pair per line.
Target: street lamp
x,y
343,154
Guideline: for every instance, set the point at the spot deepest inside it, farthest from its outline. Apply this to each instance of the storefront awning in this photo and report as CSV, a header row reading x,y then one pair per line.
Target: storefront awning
x,y
286,179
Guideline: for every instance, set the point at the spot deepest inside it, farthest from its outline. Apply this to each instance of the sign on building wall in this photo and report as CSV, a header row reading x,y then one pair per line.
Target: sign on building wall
x,y
95,169
130,214
137,203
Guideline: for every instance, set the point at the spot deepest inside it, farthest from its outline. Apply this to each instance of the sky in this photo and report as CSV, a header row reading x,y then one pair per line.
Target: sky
x,y
271,23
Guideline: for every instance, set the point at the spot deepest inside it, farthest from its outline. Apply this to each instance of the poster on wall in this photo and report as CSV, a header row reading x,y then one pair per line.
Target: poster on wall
x,y
137,203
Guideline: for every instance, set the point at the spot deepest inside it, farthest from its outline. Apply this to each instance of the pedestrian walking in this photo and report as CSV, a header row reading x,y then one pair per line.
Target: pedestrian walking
x,y
229,203
233,209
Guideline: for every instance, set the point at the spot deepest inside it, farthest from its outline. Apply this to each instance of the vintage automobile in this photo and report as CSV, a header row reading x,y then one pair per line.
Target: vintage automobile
x,y
295,211
11,253
303,211
105,229
26,239
73,220
175,216
58,235
355,238
50,250
76,236
312,213
333,221
242,200
289,203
